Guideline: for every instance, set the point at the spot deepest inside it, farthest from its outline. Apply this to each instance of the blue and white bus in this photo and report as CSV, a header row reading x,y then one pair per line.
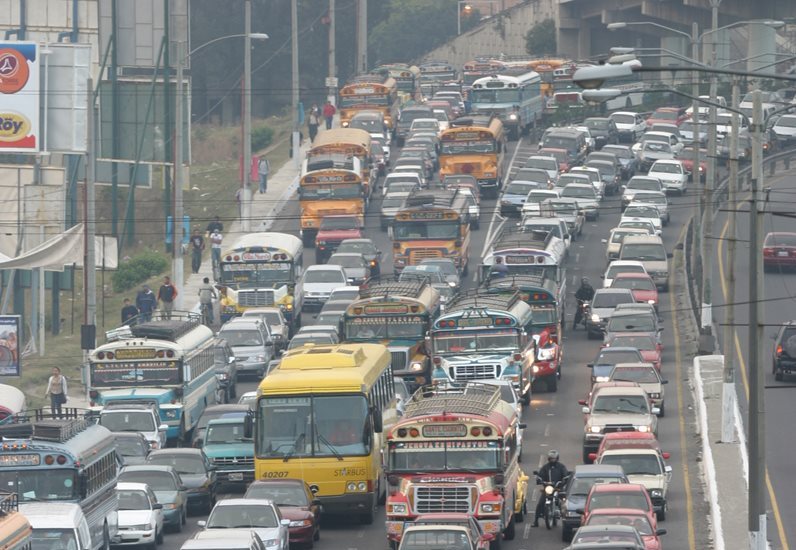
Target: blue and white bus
x,y
517,100
66,460
168,363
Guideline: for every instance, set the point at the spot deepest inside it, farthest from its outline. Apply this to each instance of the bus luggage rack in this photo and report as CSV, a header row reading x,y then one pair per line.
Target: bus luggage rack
x,y
181,323
518,280
391,286
480,299
8,503
44,425
519,237
471,398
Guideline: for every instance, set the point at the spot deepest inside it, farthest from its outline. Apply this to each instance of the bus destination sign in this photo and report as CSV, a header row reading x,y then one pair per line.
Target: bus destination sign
x,y
135,353
426,215
386,308
444,430
256,256
20,460
476,322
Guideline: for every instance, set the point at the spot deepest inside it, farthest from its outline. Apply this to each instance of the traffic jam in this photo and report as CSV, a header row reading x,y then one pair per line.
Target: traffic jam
x,y
454,337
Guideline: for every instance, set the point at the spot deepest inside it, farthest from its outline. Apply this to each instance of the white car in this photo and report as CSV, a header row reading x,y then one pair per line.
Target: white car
x,y
660,137
594,175
629,125
785,128
532,207
548,164
473,208
724,124
424,125
643,212
639,183
442,117
621,266
672,174
616,237
258,514
587,198
120,416
657,199
317,284
140,516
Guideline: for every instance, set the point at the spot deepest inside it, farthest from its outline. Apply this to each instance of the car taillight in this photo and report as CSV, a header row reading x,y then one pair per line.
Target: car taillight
x,y
768,251
779,350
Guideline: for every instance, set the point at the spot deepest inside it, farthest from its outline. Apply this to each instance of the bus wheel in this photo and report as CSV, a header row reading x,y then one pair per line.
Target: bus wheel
x,y
382,494
510,529
497,542
552,383
184,437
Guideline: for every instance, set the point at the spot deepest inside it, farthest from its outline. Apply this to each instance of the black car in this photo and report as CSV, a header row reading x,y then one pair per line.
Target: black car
x,y
368,251
226,369
784,356
603,130
577,489
607,358
132,447
211,413
197,474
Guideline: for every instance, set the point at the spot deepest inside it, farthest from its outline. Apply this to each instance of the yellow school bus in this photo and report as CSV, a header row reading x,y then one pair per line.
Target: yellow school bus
x,y
370,92
407,79
320,417
333,192
434,223
474,145
15,531
349,142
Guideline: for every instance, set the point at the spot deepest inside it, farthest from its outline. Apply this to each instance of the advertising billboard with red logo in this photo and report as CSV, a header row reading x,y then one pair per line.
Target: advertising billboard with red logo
x,y
19,89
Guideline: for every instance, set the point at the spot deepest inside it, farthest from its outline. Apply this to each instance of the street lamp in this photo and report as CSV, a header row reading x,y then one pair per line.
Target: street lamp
x,y
253,36
466,7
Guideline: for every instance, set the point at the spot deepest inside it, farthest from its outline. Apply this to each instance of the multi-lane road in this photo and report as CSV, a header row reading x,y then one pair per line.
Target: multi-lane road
x,y
554,420
779,295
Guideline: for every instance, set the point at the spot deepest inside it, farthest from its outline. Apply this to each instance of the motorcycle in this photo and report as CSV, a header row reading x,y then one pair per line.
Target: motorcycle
x,y
581,312
552,502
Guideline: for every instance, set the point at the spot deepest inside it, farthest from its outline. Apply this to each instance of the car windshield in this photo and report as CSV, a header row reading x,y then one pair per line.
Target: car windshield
x,y
157,480
613,357
357,247
643,252
447,267
542,163
566,179
605,168
582,485
633,404
128,421
640,375
623,119
667,168
646,185
237,338
324,276
132,500
53,539
131,446
282,494
467,342
639,523
618,236
517,188
657,200
646,464
608,300
641,212
185,464
633,283
329,319
632,323
242,516
786,122
619,499
596,124
224,433
664,115
614,270
303,339
436,539
620,152
646,225
780,239
394,202
576,191
639,342
347,261
533,175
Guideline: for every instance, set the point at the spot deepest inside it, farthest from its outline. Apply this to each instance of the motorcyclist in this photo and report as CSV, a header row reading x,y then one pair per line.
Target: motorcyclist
x,y
584,294
552,472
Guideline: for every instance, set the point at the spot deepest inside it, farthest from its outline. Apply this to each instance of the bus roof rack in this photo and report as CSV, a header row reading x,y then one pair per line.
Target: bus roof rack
x,y
521,237
439,198
179,325
518,280
393,287
480,121
481,299
470,398
8,503
43,425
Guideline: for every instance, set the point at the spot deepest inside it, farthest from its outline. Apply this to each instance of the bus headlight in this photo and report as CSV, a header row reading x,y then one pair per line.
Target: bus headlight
x,y
416,366
171,414
656,493
513,116
490,508
595,429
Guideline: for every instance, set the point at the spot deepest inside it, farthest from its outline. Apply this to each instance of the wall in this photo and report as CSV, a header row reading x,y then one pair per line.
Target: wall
x,y
503,33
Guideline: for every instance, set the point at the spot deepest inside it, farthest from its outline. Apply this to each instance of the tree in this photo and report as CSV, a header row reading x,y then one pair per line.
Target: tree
x,y
541,38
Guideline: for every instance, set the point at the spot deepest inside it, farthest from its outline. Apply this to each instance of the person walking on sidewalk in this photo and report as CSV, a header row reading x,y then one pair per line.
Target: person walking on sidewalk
x,y
263,169
146,302
129,311
166,294
56,391
313,121
216,238
215,224
328,114
207,293
197,247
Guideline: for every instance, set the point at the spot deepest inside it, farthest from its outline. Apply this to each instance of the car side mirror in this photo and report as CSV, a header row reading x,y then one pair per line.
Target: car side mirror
x,y
602,276
522,426
660,532
230,360
589,366
665,456
592,456
201,523
163,428
664,382
669,255
284,522
585,410
656,411
582,402
157,506
316,502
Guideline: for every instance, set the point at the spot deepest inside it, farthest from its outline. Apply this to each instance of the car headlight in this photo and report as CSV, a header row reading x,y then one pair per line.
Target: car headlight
x,y
170,506
416,366
490,508
397,509
601,379
595,318
513,116
271,543
595,429
656,493
142,527
261,357
655,396
643,428
301,523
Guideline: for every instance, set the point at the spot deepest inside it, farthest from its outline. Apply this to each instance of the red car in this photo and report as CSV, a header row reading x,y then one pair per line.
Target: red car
x,y
651,350
641,286
617,495
296,503
646,524
629,440
561,155
779,251
334,230
686,157
668,115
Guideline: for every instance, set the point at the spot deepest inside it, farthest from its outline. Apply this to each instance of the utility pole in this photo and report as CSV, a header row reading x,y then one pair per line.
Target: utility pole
x,y
695,169
177,260
362,36
295,85
757,432
728,388
246,191
89,229
332,97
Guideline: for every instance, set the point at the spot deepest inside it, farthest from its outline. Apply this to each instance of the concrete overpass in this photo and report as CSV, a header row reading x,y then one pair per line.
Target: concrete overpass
x,y
583,34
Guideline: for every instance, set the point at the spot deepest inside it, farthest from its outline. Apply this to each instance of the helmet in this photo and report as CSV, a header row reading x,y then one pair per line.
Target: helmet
x,y
584,281
552,455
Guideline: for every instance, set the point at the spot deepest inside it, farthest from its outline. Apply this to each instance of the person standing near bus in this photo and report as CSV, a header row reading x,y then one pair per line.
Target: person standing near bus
x,y
56,391
146,302
216,238
166,294
129,311
313,121
328,114
197,247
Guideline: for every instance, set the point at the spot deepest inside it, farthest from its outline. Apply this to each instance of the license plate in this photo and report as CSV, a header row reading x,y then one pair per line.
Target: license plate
x,y
782,253
236,477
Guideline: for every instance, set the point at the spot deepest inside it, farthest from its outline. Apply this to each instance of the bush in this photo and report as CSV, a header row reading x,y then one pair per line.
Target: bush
x,y
261,137
137,270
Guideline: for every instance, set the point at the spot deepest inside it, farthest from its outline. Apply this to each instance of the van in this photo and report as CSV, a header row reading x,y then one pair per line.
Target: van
x,y
649,250
574,141
63,524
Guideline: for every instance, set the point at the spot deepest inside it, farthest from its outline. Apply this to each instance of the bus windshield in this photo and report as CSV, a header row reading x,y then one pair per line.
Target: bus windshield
x,y
414,229
435,456
337,191
255,274
130,373
468,147
54,539
354,100
32,485
385,328
495,96
313,425
470,341
544,315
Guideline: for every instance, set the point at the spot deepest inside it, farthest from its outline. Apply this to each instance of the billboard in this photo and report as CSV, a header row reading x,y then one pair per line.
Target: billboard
x,y
9,345
19,90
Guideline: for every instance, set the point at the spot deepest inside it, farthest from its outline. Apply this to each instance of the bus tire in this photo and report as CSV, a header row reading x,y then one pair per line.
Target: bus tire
x,y
382,494
497,542
184,437
520,516
510,529
552,383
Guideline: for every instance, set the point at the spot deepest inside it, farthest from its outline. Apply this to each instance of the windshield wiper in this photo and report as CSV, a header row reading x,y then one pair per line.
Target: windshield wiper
x,y
299,441
331,447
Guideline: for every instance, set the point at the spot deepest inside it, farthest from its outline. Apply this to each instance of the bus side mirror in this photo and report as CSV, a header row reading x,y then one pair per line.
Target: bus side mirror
x,y
248,426
378,421
82,485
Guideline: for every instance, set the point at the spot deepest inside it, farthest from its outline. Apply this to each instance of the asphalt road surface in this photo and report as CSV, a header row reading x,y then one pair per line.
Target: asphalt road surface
x,y
779,295
554,420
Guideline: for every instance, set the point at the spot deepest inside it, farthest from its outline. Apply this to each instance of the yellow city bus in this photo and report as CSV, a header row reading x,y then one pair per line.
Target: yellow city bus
x,y
263,269
320,416
434,223
15,531
350,142
398,315
474,145
370,92
332,192
547,68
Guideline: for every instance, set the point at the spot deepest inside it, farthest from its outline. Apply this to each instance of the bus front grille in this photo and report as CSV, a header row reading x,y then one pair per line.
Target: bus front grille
x,y
399,361
475,372
419,254
449,499
256,298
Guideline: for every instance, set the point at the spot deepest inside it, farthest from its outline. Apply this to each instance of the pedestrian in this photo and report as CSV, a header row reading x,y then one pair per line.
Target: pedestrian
x,y
166,294
216,239
197,247
238,197
129,312
313,121
207,293
215,224
328,114
263,169
56,390
146,302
